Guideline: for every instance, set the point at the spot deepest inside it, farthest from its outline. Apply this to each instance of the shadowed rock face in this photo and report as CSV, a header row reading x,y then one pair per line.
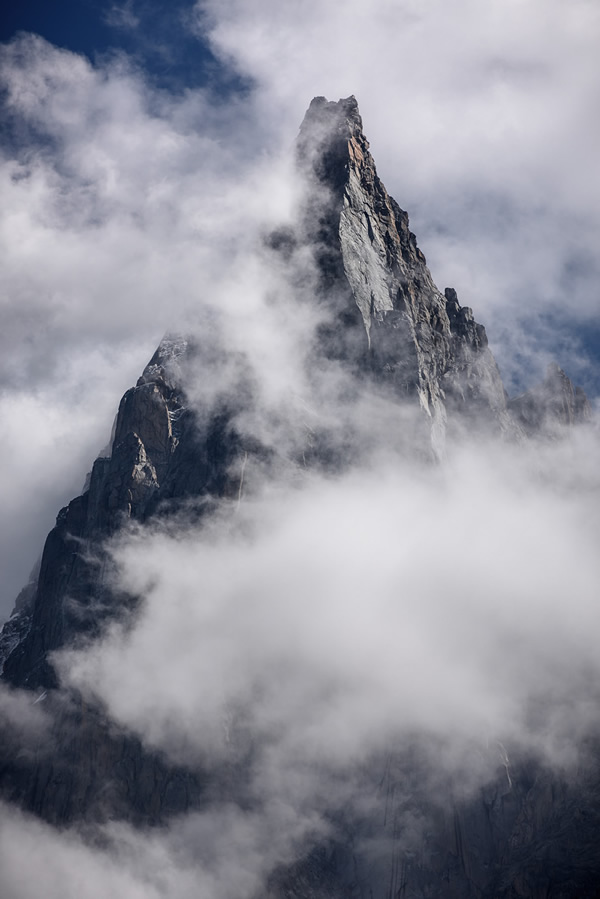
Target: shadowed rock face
x,y
528,835
531,836
552,406
160,458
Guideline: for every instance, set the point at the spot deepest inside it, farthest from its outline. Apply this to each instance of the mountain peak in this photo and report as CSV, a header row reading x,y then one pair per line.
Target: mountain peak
x,y
323,109
413,339
390,347
325,133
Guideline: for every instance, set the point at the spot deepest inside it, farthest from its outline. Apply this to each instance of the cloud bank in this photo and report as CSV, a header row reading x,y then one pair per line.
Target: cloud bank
x,y
342,612
311,639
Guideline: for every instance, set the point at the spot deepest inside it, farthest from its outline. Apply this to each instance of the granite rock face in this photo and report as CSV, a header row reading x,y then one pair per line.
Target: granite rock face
x,y
420,342
530,835
159,457
388,325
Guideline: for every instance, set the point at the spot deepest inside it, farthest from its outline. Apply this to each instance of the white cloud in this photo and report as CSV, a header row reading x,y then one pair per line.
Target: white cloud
x,y
314,634
217,854
345,614
25,726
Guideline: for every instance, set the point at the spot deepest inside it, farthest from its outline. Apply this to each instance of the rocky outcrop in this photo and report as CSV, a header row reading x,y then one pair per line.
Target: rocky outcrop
x,y
160,456
70,597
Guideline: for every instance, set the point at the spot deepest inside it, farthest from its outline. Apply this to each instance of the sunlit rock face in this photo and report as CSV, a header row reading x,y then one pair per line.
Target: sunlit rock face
x,y
386,324
413,337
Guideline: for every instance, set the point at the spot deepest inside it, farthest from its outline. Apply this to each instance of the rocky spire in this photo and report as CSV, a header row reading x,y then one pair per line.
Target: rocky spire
x,y
414,338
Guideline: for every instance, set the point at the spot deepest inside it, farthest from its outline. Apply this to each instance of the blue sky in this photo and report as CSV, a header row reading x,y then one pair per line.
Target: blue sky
x,y
156,35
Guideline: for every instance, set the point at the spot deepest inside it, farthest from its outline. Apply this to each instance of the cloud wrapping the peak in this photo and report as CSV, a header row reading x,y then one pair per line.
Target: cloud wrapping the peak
x,y
345,613
126,207
481,120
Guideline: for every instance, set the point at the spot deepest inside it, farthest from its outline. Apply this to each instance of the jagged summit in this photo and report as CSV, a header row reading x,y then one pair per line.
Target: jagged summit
x,y
327,123
414,338
321,109
418,340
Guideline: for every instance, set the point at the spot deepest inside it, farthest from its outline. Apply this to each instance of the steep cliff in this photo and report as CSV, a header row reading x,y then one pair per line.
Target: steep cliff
x,y
417,340
386,323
